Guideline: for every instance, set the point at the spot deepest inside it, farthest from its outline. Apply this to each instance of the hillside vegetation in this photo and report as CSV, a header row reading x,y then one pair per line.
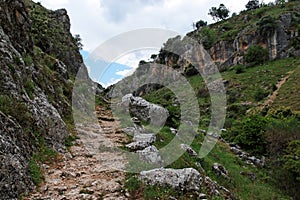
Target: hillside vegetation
x,y
263,110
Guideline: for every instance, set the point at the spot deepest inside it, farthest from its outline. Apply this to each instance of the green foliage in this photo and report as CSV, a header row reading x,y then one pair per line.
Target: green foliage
x,y
219,13
70,139
199,24
35,172
256,55
17,60
78,41
29,87
267,25
16,109
252,4
42,155
292,158
208,37
249,133
132,183
260,94
239,69
279,132
27,60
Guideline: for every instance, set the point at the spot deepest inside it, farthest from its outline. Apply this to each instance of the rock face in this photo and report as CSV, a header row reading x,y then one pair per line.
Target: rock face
x,y
35,88
278,43
145,110
141,141
13,159
150,155
187,179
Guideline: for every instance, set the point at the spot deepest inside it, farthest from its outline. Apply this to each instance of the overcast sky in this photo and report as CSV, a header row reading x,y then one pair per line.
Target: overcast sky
x,y
98,20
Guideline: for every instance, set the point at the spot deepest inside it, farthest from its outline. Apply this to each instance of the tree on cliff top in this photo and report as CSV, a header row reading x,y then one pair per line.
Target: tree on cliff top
x,y
252,4
219,13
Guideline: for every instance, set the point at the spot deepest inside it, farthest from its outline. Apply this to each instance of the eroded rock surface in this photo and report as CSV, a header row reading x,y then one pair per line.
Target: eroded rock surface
x,y
187,179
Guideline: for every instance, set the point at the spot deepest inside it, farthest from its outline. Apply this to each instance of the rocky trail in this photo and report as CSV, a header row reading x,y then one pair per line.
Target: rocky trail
x,y
90,170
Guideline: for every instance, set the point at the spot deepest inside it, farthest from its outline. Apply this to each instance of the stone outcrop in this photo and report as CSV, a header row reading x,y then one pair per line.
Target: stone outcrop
x,y
189,150
187,179
150,155
144,110
246,157
35,88
15,150
278,43
220,170
141,141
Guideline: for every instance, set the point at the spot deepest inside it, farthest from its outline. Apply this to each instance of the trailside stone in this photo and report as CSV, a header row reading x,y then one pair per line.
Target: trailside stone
x,y
141,141
187,179
220,170
150,155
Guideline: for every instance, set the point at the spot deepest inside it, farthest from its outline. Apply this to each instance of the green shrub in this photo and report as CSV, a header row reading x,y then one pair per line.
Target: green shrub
x,y
266,26
239,69
208,37
292,158
29,87
260,94
250,134
35,172
16,109
279,133
256,55
27,60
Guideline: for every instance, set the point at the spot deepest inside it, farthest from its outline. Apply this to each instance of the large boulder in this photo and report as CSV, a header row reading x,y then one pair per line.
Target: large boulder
x,y
187,179
144,110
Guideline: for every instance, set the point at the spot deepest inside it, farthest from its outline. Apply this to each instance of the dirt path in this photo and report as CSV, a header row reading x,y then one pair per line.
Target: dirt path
x,y
271,99
91,170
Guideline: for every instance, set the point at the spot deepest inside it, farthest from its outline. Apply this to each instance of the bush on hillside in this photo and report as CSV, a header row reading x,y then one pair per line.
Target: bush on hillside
x,y
256,55
250,133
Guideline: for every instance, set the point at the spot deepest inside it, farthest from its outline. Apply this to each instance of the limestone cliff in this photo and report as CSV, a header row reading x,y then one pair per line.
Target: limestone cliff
x,y
39,60
275,28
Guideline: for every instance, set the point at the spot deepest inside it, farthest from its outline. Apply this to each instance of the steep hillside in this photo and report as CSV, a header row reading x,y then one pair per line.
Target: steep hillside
x,y
257,53
39,60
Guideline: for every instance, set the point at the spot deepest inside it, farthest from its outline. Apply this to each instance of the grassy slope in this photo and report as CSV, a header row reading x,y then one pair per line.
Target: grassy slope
x,y
242,95
246,83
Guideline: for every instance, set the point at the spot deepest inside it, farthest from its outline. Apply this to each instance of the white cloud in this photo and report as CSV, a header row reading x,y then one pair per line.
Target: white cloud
x,y
126,72
132,59
110,82
55,4
99,20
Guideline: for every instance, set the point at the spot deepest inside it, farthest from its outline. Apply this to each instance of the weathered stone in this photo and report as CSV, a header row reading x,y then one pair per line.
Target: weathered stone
x,y
187,179
145,110
220,170
150,155
188,149
141,141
